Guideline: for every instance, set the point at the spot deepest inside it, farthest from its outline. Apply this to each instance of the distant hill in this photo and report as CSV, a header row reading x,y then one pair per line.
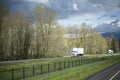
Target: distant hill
x,y
109,34
109,29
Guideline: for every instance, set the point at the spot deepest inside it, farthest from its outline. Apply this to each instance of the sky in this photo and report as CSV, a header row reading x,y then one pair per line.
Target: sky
x,y
74,12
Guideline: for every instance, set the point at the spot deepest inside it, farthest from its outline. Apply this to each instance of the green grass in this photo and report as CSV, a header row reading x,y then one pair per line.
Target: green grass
x,y
76,73
28,67
28,71
29,64
33,63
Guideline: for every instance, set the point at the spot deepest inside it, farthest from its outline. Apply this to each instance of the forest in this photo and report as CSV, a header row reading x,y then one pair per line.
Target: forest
x,y
41,37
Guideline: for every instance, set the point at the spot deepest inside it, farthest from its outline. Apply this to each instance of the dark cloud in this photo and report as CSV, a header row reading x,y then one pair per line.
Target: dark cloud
x,y
113,16
20,5
114,22
65,8
119,5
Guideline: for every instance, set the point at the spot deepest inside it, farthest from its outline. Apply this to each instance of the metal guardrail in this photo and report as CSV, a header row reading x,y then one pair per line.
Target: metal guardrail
x,y
22,73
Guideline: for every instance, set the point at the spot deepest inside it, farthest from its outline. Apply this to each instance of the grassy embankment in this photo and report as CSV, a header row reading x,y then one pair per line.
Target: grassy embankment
x,y
35,63
76,73
28,64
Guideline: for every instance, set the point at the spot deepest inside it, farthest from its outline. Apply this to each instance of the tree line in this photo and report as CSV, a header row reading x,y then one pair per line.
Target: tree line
x,y
20,39
93,42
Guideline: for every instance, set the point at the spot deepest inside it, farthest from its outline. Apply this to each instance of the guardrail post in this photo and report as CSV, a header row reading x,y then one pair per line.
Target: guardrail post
x,y
78,62
68,64
33,70
12,74
87,61
75,62
83,61
48,68
93,60
41,69
90,60
23,73
72,63
64,65
59,66
54,66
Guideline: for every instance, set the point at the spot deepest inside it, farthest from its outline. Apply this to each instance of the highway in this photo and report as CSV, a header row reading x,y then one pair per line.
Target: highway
x,y
116,76
112,73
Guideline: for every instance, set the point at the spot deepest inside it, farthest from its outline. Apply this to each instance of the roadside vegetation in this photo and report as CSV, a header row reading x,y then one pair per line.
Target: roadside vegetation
x,y
77,73
29,69
55,60
33,63
44,62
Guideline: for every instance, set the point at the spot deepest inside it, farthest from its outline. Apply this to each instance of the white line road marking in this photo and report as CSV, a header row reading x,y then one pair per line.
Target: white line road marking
x,y
114,75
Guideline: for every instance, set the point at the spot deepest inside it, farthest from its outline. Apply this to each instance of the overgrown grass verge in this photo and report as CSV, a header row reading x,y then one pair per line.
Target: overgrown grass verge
x,y
33,63
76,73
54,60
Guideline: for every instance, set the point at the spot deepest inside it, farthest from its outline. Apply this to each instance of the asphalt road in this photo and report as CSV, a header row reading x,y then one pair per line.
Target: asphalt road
x,y
116,76
108,74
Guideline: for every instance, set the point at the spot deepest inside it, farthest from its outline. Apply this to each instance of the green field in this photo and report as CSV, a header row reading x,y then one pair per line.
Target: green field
x,y
29,69
29,64
76,73
35,63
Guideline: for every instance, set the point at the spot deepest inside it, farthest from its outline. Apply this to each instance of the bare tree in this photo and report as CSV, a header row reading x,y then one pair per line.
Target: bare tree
x,y
45,20
23,35
3,11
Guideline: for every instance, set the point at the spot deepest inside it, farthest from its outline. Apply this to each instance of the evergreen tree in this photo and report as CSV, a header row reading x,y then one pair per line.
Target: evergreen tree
x,y
114,44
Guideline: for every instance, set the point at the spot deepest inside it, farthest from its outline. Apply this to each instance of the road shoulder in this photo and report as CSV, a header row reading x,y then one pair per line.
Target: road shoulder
x,y
106,73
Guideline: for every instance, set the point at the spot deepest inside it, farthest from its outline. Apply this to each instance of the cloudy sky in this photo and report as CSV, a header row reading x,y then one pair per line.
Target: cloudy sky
x,y
74,12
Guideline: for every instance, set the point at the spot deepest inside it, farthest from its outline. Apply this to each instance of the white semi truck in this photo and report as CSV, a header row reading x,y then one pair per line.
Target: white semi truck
x,y
76,52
